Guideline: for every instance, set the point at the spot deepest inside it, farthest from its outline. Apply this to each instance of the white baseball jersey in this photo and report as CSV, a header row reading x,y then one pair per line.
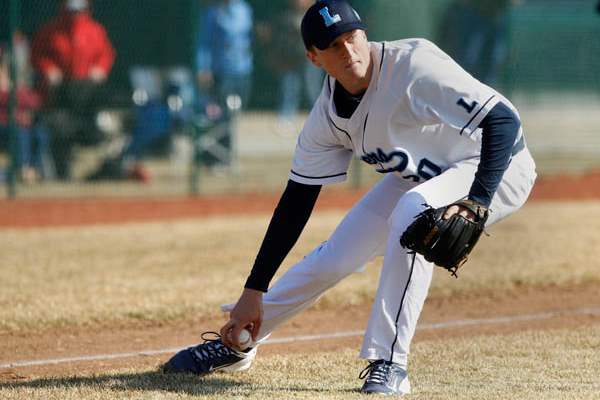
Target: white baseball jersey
x,y
419,115
419,120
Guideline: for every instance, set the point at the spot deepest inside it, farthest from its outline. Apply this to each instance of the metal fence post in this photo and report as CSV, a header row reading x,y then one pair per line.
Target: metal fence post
x,y
13,24
194,174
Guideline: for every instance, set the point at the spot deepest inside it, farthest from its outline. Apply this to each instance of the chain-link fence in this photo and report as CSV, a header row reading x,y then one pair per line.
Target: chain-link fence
x,y
124,97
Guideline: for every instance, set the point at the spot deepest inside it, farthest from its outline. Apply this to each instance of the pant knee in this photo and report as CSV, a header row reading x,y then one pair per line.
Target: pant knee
x,y
327,266
409,206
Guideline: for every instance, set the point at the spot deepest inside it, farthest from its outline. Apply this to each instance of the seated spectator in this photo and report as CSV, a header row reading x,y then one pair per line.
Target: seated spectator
x,y
74,56
161,105
31,137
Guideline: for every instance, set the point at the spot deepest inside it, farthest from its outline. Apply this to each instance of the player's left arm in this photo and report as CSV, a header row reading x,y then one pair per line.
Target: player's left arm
x,y
442,92
448,243
500,130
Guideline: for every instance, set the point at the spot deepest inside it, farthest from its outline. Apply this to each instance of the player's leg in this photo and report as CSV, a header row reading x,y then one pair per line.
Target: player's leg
x,y
359,237
406,277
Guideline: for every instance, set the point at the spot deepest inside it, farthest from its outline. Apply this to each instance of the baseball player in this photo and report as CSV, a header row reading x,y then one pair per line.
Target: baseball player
x,y
437,135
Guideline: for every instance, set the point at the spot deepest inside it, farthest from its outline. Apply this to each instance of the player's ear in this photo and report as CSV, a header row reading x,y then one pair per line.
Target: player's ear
x,y
311,54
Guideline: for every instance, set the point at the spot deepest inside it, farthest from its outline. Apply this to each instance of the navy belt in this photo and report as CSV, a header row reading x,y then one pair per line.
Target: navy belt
x,y
520,145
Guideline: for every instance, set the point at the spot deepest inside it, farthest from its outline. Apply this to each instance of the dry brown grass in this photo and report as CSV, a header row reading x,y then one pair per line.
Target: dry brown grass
x,y
529,365
166,271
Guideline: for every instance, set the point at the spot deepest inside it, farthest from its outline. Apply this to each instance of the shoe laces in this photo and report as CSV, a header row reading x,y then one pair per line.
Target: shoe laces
x,y
212,347
376,372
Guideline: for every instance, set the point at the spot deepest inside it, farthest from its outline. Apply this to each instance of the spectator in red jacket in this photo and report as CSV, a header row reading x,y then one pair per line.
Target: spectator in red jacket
x,y
74,55
73,46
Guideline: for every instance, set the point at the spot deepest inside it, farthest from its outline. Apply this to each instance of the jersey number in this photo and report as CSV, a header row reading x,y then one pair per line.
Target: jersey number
x,y
425,170
469,107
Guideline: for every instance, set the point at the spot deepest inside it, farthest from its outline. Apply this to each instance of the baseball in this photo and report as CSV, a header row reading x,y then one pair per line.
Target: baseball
x,y
245,339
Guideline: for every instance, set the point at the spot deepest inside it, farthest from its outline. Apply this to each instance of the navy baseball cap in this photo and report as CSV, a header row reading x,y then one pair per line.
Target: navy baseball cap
x,y
325,20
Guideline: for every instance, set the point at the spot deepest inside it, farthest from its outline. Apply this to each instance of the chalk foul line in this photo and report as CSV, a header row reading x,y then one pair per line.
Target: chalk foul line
x,y
591,311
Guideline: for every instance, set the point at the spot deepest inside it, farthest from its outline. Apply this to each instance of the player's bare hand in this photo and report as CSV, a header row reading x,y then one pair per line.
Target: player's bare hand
x,y
460,210
247,313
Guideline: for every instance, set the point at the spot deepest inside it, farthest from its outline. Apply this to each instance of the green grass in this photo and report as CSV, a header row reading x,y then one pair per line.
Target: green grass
x,y
548,365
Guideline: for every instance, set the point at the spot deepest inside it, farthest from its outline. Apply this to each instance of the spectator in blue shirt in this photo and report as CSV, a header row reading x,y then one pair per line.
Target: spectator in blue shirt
x,y
224,60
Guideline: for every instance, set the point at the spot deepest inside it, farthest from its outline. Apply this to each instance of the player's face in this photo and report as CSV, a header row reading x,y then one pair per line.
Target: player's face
x,y
347,59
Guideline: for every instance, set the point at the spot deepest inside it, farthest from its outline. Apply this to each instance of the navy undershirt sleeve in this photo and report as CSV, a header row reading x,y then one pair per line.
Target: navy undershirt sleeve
x,y
288,221
500,128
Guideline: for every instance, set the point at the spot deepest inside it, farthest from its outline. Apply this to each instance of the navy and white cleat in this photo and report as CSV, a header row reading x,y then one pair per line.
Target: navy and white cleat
x,y
210,356
385,378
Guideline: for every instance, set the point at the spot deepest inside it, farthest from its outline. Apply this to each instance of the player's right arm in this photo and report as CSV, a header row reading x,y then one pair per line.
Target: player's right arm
x,y
320,158
288,222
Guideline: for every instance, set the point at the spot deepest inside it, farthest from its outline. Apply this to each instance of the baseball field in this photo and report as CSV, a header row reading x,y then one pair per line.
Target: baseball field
x,y
93,302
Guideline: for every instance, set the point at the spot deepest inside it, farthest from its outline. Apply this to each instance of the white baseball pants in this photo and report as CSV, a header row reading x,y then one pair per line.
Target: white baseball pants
x,y
373,227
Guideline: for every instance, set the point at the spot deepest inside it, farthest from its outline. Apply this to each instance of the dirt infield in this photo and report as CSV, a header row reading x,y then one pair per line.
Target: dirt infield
x,y
73,212
81,341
